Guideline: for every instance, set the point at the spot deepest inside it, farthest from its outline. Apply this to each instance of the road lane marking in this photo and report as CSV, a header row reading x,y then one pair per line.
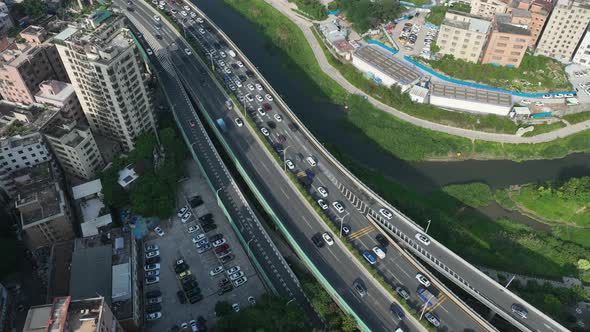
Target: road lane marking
x,y
363,231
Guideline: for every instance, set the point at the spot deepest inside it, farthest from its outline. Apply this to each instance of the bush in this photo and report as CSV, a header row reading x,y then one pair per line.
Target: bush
x,y
473,194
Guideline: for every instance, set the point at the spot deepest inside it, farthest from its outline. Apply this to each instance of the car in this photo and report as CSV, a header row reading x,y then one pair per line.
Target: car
x,y
268,97
215,237
182,211
193,324
323,192
278,117
180,261
432,319
423,280
338,206
223,282
547,96
159,231
233,270
397,311
569,95
379,252
225,288
221,63
403,293
219,242
153,293
359,288
311,161
193,15
232,87
188,51
251,300
205,217
151,267
323,204
249,96
261,111
155,300
525,102
264,131
156,18
181,268
152,254
153,315
258,86
187,8
251,87
386,213
196,201
186,217
240,282
519,310
226,259
423,238
328,239
290,164
224,253
209,227
236,275
194,299
382,240
184,274
267,107
152,273
240,64
183,13
193,228
293,127
153,260
184,325
370,258
346,230
152,280
201,243
151,247
181,297
271,124
149,51
539,103
318,240
259,98
221,248
193,291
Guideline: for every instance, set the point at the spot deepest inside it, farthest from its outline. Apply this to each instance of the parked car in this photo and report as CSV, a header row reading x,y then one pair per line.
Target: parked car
x,y
151,267
403,293
153,316
152,280
367,255
151,247
153,293
379,252
181,297
239,282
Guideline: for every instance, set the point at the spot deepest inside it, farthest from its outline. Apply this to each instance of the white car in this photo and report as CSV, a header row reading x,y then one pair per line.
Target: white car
x,y
323,204
525,102
156,18
187,8
216,271
199,20
249,97
259,98
250,87
221,63
236,275
240,282
159,231
258,87
152,254
423,280
193,15
278,117
547,96
233,270
153,316
188,51
323,192
202,31
193,228
183,13
152,280
338,206
423,238
186,217
240,64
227,70
268,97
386,213
219,242
199,237
239,122
151,267
261,111
380,253
182,211
290,164
265,131
149,51
236,307
539,103
238,83
152,247
311,161
328,239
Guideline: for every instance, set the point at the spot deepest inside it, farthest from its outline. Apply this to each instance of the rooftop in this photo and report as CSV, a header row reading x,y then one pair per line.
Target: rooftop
x,y
87,189
67,131
20,119
504,25
91,272
47,202
126,176
467,22
470,94
388,64
55,91
83,315
37,318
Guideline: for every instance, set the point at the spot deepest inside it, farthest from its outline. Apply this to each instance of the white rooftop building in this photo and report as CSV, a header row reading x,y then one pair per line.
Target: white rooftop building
x,y
126,176
88,197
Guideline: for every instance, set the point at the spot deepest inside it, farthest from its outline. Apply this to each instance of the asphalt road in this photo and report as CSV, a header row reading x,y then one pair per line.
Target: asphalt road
x,y
269,180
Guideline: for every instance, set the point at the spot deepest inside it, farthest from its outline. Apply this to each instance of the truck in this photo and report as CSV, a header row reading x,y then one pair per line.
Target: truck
x,y
305,177
231,53
427,297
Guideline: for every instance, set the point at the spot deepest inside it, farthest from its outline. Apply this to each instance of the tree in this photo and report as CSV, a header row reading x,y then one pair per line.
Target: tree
x,y
222,308
583,264
349,324
32,8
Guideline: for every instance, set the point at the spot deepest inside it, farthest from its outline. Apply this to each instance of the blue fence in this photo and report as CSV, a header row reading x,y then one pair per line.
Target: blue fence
x,y
374,42
409,4
481,86
334,12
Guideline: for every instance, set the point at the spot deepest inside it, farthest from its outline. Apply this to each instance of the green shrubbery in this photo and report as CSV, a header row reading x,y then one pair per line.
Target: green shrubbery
x,y
312,8
474,194
366,14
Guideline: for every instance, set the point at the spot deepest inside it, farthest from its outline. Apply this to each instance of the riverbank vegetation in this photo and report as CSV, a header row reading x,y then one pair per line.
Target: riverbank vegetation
x,y
312,8
367,14
536,73
577,117
474,194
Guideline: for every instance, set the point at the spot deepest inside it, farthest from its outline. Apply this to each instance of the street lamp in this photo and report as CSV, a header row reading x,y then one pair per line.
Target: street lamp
x,y
342,222
248,245
426,231
285,158
510,281
291,300
217,195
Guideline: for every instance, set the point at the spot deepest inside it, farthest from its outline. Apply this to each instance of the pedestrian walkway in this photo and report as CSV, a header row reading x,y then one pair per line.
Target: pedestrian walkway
x,y
306,27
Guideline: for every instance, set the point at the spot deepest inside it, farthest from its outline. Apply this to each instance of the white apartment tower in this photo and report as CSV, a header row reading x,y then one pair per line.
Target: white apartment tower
x,y
564,30
109,77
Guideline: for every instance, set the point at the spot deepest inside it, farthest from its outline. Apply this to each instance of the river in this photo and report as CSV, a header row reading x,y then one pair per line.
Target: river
x,y
325,121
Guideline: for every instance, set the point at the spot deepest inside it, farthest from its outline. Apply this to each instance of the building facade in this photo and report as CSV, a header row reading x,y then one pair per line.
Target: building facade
x,y
109,77
582,55
75,148
463,36
507,43
62,96
488,8
538,12
564,30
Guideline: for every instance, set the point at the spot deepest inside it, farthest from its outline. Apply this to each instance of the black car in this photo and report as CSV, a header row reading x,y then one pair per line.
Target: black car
x,y
209,227
152,260
153,293
382,240
271,124
193,292
234,66
215,237
181,268
317,240
397,311
153,308
195,298
158,36
242,78
293,126
224,289
249,73
181,297
222,282
196,201
226,259
207,216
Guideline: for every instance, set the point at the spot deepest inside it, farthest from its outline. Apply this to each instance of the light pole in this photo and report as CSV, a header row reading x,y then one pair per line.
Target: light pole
x,y
291,300
217,195
342,222
248,245
510,281
285,158
426,231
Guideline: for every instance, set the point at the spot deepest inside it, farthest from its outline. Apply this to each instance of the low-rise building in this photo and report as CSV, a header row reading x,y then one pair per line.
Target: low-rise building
x,y
74,146
488,8
66,314
89,201
43,208
470,99
582,55
507,43
418,94
463,35
61,95
127,176
384,68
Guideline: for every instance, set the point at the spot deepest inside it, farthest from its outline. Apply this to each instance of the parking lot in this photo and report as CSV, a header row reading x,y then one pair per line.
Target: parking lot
x,y
412,37
177,243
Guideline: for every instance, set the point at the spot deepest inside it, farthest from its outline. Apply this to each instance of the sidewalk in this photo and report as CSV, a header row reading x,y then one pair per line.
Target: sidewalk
x,y
286,9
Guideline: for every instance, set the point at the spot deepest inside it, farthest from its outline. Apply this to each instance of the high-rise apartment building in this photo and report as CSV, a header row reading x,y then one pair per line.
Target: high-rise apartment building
x,y
62,96
463,35
23,66
507,43
74,146
538,12
582,55
109,77
488,8
564,30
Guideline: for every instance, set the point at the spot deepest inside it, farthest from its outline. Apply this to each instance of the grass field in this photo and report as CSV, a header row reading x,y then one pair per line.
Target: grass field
x,y
473,194
577,117
545,129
